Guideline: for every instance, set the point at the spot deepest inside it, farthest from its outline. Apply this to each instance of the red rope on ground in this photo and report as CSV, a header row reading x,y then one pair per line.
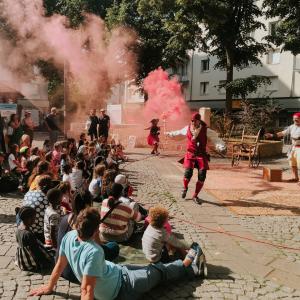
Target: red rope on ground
x,y
239,236
226,232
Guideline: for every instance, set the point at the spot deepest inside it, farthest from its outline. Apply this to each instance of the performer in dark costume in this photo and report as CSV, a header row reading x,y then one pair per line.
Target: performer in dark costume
x,y
153,137
93,123
196,156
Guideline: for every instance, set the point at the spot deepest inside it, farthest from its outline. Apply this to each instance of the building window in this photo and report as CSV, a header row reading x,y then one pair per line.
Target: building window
x,y
184,69
204,88
204,65
274,57
222,90
274,84
273,28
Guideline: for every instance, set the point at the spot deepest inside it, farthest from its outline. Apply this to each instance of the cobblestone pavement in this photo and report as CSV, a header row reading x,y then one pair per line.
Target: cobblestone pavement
x,y
222,282
277,229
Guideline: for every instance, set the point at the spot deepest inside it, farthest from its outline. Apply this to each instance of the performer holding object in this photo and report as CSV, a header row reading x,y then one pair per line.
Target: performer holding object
x,y
294,154
196,156
153,137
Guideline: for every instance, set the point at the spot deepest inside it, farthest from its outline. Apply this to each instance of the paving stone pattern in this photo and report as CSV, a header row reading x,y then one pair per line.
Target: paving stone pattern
x,y
221,284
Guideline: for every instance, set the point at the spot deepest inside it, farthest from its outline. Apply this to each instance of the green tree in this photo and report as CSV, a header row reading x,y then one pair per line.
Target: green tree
x,y
167,30
221,28
287,31
242,87
75,9
227,35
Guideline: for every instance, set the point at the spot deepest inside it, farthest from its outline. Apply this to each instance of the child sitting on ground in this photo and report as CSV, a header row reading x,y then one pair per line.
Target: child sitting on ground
x,y
66,202
96,183
157,241
76,177
52,217
66,171
31,254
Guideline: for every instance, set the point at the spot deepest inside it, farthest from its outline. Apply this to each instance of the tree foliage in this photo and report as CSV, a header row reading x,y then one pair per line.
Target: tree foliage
x,y
255,115
243,87
287,31
227,35
75,9
167,30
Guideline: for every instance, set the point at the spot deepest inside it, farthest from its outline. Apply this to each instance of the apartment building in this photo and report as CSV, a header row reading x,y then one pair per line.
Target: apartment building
x,y
200,79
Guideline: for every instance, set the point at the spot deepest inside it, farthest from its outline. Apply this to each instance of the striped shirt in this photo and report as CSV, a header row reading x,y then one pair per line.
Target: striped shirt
x,y
117,222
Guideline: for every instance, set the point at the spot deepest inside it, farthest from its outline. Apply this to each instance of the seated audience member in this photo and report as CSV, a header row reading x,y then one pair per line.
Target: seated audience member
x,y
80,202
31,254
56,154
63,162
8,182
25,141
66,202
52,217
13,160
157,241
37,199
77,180
101,279
119,225
24,158
96,183
26,168
107,182
54,169
71,146
41,169
127,194
82,140
66,171
120,152
47,146
35,153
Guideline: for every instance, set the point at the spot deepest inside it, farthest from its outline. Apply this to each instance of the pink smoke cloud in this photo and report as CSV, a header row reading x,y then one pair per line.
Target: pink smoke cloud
x,y
95,58
165,98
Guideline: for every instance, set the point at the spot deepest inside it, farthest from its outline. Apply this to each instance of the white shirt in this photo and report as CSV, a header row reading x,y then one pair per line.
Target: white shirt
x,y
66,177
294,132
212,135
11,159
95,187
76,180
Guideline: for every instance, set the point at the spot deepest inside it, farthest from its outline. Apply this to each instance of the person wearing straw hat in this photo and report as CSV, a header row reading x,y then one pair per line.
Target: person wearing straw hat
x,y
294,153
153,137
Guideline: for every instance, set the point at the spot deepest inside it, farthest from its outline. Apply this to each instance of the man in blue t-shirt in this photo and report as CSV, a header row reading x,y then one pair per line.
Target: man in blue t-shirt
x,y
104,280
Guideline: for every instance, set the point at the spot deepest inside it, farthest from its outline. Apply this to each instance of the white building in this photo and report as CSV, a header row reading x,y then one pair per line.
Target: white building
x,y
200,80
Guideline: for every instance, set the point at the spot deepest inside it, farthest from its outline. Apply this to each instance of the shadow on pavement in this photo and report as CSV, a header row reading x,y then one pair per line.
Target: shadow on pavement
x,y
219,272
254,203
7,219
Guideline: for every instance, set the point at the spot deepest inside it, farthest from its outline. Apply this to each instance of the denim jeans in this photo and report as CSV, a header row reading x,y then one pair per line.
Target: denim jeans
x,y
137,280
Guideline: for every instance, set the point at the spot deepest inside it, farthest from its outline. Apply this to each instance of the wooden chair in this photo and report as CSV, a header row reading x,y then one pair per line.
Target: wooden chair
x,y
247,148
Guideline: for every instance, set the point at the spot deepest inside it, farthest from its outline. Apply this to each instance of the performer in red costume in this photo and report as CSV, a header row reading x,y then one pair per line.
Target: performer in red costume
x,y
196,156
153,137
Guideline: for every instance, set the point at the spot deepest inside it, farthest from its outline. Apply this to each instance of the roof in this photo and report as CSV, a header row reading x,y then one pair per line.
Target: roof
x,y
5,89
